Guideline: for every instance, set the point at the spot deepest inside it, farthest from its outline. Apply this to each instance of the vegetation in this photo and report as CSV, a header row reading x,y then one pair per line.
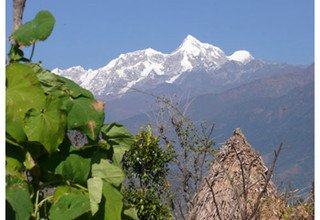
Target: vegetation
x,y
146,166
299,206
192,153
46,176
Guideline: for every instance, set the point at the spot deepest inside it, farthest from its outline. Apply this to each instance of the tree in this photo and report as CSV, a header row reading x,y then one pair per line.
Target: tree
x,y
146,166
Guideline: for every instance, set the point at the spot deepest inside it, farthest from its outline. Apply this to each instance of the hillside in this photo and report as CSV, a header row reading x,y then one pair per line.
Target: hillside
x,y
270,111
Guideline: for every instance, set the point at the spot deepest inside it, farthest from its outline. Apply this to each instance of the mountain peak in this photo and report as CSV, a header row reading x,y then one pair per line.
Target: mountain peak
x,y
241,56
150,52
190,44
191,39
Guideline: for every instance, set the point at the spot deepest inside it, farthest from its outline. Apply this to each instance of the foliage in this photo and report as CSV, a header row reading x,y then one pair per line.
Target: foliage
x,y
148,203
38,29
146,165
47,177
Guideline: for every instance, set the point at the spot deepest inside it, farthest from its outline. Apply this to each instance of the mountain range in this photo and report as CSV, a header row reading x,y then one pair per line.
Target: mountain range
x,y
270,102
149,68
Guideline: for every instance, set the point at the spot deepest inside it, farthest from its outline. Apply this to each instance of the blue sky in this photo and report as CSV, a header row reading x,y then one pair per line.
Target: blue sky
x,y
91,33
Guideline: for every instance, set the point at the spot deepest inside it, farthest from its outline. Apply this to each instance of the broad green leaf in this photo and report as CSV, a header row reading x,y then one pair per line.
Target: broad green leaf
x,y
70,206
113,204
53,85
75,168
130,214
116,132
18,196
95,193
73,89
23,92
109,172
61,190
86,116
47,125
50,83
120,138
118,152
35,30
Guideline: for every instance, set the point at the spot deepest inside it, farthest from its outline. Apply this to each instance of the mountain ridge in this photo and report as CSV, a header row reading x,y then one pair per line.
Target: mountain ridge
x,y
141,67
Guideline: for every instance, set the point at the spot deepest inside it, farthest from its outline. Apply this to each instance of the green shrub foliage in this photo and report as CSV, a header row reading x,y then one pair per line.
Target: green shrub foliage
x,y
46,176
146,165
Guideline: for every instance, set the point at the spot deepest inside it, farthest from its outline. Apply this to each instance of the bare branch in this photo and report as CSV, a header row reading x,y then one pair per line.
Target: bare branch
x,y
244,187
268,178
213,197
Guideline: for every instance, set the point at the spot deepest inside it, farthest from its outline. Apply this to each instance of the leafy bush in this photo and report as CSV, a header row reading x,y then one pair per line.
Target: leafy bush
x,y
146,165
46,176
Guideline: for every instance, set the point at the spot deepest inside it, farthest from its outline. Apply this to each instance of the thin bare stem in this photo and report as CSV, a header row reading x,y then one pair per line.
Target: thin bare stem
x,y
244,185
268,178
213,197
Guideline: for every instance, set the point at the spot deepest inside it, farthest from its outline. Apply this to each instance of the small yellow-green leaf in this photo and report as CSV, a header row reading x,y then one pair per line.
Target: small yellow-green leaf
x,y
95,193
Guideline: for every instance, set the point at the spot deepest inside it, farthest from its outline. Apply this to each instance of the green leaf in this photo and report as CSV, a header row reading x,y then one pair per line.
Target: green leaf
x,y
53,85
95,193
47,125
109,172
116,132
15,156
29,162
86,116
70,206
113,203
35,30
50,83
75,168
13,166
18,196
120,138
73,89
23,93
118,152
61,190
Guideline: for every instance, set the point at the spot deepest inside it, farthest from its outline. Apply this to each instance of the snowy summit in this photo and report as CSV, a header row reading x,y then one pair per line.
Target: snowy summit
x,y
241,56
148,67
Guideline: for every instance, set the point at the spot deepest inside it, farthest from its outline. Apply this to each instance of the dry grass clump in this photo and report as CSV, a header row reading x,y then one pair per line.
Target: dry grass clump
x,y
238,185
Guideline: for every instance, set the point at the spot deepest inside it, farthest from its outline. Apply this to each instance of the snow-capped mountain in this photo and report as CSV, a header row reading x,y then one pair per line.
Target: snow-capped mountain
x,y
241,56
148,68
